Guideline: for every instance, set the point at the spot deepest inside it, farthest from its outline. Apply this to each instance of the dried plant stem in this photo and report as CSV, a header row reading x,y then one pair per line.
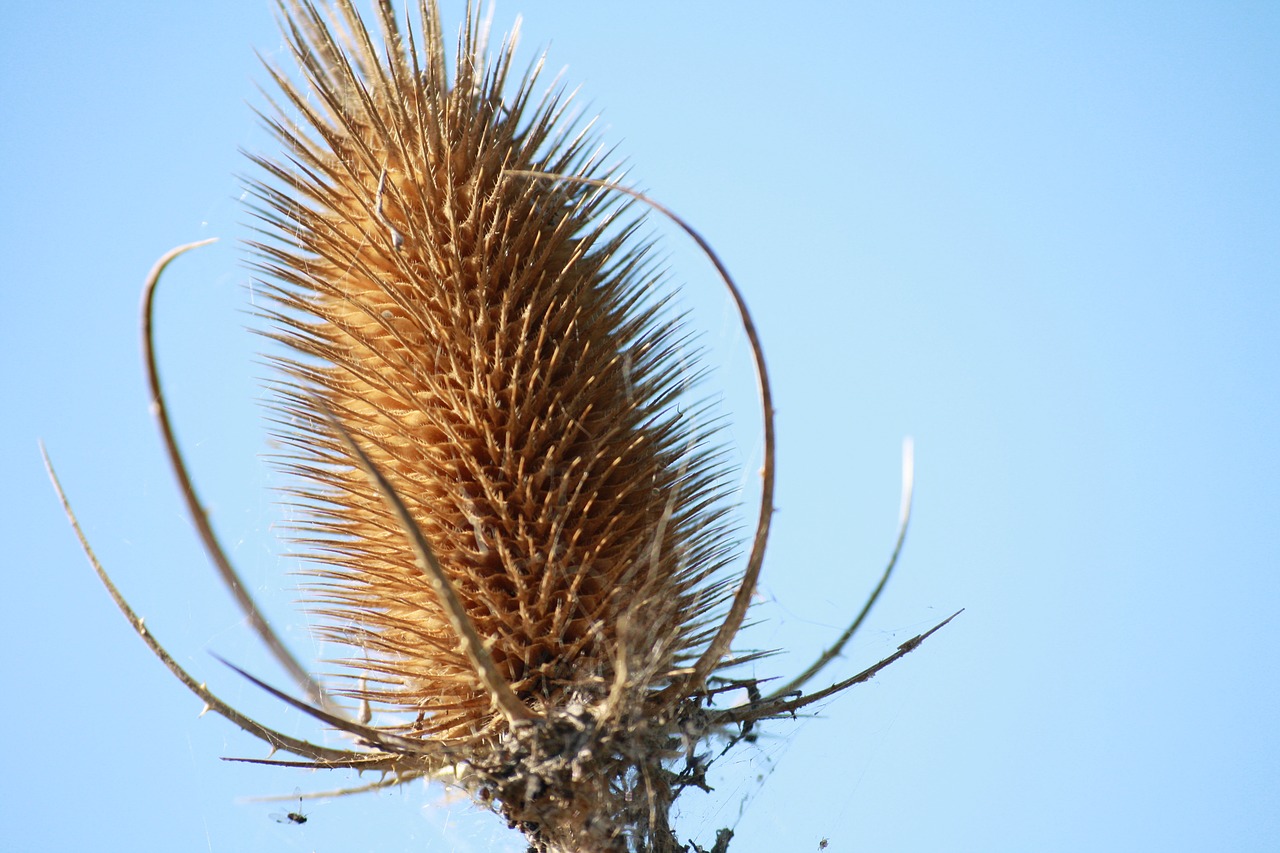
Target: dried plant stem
x,y
318,754
780,706
195,509
904,519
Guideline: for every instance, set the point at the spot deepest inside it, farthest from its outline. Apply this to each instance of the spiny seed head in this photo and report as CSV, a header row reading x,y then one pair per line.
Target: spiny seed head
x,y
516,522
491,341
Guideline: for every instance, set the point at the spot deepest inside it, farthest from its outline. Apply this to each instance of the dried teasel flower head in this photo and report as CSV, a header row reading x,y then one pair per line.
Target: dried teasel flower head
x,y
485,340
519,537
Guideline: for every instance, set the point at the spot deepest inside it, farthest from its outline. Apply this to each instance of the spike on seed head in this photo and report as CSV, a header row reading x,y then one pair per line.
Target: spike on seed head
x,y
490,343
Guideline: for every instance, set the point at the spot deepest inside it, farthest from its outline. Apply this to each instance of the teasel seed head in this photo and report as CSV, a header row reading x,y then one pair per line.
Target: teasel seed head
x,y
517,520
494,345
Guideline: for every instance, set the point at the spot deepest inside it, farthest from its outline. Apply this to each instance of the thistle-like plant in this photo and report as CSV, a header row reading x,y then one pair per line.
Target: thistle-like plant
x,y
518,534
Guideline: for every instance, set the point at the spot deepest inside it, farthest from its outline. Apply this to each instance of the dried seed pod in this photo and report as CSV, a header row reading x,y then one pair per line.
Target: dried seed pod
x,y
490,342
520,537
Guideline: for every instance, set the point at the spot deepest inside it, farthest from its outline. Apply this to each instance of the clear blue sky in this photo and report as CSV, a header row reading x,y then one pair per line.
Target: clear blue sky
x,y
1040,238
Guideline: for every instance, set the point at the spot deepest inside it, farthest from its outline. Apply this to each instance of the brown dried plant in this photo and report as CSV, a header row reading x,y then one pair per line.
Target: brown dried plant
x,y
521,538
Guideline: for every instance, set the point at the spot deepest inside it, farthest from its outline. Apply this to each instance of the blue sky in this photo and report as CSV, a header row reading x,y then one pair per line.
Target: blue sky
x,y
1040,238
